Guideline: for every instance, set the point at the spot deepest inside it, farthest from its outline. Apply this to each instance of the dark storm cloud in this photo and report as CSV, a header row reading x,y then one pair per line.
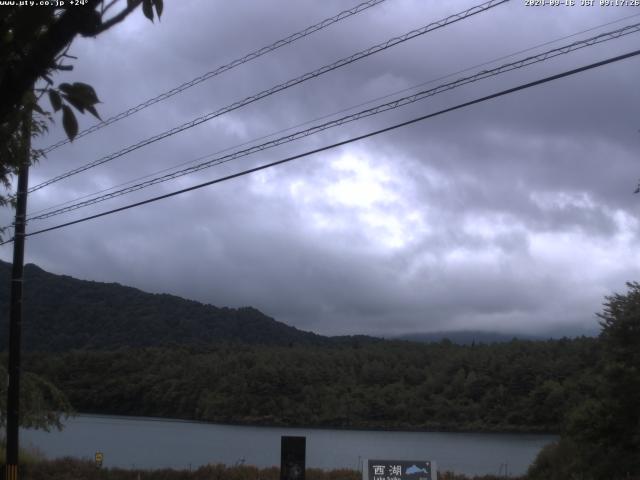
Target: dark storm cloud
x,y
516,214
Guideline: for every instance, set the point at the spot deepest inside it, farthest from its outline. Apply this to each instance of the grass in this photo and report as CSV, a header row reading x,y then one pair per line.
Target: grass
x,y
28,456
37,468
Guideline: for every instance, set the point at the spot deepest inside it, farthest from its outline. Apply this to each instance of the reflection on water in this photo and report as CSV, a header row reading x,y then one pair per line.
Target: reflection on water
x,y
159,443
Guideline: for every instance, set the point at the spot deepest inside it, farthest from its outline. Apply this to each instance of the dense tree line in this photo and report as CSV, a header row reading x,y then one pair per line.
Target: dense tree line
x,y
515,386
601,435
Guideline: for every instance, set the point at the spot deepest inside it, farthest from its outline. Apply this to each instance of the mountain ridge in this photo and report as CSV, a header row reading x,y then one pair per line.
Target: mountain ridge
x,y
64,313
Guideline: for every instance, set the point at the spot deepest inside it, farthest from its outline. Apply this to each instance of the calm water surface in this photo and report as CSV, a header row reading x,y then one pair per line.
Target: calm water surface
x,y
160,443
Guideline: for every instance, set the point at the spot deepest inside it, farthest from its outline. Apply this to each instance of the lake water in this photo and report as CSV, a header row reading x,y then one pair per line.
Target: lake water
x,y
159,443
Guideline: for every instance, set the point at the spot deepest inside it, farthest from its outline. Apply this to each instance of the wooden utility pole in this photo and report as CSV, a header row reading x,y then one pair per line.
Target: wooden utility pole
x,y
15,319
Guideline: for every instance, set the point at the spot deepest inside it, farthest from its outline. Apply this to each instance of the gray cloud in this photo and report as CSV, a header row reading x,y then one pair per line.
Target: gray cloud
x,y
516,214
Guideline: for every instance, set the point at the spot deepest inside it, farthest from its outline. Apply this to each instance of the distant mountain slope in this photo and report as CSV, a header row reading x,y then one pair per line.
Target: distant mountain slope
x,y
63,313
464,337
467,337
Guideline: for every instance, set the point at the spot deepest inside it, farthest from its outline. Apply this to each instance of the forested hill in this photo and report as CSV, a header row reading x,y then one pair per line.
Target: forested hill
x,y
63,313
515,386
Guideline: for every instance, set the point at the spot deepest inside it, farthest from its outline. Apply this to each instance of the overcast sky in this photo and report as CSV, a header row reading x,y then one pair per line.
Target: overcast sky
x,y
517,214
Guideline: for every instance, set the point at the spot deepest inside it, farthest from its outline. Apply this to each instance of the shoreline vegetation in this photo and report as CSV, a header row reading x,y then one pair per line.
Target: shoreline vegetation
x,y
35,466
317,427
515,387
66,468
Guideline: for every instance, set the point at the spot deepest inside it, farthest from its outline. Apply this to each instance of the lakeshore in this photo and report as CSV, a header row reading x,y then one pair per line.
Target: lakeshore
x,y
86,470
149,443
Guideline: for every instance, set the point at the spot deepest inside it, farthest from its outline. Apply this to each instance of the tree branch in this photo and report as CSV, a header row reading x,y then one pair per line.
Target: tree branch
x,y
111,4
131,6
40,58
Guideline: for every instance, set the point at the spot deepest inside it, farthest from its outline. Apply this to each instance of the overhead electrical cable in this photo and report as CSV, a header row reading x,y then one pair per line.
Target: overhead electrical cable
x,y
290,83
323,117
528,61
344,142
224,68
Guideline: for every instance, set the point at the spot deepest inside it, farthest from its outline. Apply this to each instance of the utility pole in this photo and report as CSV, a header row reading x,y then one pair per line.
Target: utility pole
x,y
15,319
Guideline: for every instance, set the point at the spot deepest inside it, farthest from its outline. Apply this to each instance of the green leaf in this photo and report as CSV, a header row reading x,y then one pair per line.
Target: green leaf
x,y
66,88
92,110
56,101
147,9
69,122
76,102
85,92
38,109
159,7
82,93
82,96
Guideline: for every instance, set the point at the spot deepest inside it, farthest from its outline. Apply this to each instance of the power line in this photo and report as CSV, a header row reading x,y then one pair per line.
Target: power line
x,y
626,30
378,109
290,83
323,117
344,142
224,68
